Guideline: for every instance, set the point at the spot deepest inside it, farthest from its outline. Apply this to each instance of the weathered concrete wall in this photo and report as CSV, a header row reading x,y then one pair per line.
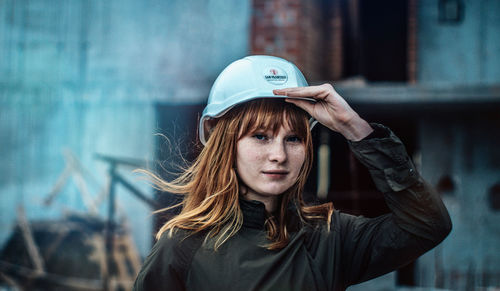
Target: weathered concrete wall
x,y
467,151
36,130
462,53
462,148
86,75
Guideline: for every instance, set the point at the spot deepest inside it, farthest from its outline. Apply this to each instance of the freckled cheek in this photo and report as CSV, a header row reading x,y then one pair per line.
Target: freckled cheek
x,y
248,161
251,155
298,156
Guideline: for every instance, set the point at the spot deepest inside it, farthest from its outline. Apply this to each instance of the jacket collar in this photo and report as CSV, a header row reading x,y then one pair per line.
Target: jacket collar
x,y
254,213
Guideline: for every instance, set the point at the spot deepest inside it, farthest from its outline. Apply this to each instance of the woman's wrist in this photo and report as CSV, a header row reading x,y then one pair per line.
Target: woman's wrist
x,y
355,129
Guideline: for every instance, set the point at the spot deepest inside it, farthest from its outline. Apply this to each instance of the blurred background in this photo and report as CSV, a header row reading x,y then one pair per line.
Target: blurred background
x,y
86,86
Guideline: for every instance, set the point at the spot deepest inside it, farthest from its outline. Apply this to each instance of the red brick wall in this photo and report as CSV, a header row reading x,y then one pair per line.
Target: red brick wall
x,y
412,41
294,30
323,38
334,55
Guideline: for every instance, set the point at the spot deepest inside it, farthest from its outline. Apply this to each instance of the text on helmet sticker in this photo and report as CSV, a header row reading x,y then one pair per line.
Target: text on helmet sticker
x,y
275,75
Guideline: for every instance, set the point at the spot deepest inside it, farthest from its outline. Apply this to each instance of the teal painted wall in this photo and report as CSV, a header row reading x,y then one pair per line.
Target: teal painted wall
x,y
466,150
85,75
459,54
463,148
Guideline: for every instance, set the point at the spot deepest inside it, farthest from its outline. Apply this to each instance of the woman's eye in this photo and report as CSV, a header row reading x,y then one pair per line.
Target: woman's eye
x,y
260,136
294,138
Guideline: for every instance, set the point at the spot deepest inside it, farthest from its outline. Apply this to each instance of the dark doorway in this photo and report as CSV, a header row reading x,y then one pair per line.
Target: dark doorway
x,y
375,40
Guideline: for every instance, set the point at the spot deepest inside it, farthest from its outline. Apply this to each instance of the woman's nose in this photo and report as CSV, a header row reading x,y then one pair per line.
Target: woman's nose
x,y
277,152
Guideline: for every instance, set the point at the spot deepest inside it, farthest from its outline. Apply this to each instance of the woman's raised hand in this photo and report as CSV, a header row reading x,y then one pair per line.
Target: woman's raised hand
x,y
331,110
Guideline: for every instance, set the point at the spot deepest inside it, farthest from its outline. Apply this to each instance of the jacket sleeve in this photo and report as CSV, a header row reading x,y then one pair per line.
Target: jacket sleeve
x,y
418,220
164,268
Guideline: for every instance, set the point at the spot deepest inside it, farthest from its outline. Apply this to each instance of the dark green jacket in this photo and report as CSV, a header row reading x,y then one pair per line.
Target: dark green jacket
x,y
353,250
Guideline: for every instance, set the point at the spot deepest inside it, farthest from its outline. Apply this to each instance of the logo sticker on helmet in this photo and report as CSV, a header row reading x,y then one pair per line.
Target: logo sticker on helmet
x,y
275,76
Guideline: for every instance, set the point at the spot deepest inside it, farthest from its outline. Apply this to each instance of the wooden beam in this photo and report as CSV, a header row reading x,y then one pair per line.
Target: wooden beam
x,y
31,246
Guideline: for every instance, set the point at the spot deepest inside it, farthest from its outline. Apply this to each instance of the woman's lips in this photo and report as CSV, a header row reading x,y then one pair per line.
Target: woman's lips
x,y
275,174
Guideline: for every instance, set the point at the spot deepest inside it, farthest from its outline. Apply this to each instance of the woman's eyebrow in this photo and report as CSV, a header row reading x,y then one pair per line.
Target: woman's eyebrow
x,y
261,128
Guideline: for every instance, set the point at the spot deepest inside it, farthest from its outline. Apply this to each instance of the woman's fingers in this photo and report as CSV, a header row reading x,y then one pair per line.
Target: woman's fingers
x,y
316,92
330,109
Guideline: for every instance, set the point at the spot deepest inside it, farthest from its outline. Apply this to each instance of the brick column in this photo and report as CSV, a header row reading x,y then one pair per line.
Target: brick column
x,y
291,29
412,41
335,54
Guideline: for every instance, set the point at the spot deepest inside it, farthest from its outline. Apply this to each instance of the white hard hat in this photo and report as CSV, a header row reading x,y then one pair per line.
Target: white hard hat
x,y
246,79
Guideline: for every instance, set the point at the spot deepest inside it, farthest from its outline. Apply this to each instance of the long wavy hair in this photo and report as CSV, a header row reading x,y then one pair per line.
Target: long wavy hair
x,y
211,187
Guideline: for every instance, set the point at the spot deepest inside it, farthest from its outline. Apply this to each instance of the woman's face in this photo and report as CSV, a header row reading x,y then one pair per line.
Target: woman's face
x,y
269,163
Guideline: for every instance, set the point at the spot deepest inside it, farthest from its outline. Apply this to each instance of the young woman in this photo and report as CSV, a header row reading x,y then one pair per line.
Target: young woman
x,y
244,225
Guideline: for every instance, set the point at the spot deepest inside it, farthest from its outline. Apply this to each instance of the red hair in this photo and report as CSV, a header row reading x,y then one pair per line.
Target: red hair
x,y
210,185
